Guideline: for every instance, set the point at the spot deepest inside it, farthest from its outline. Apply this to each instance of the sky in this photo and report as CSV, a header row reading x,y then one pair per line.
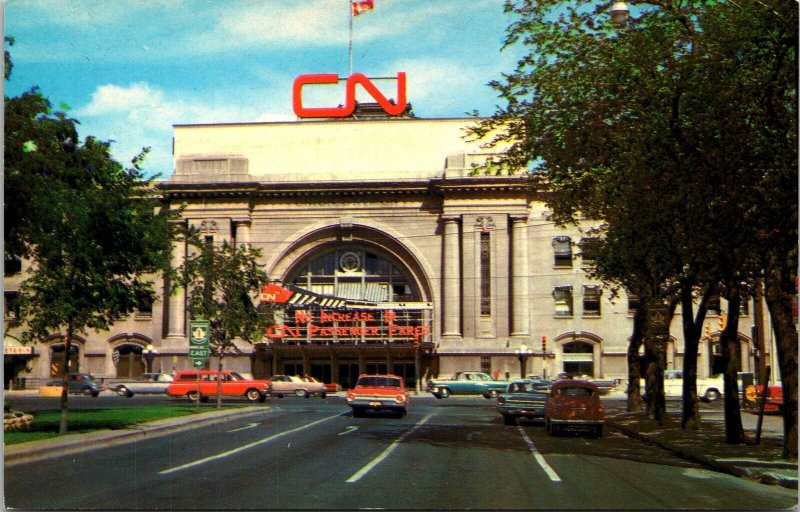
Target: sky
x,y
129,70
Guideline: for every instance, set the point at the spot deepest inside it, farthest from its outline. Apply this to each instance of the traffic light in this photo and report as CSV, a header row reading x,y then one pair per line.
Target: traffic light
x,y
544,344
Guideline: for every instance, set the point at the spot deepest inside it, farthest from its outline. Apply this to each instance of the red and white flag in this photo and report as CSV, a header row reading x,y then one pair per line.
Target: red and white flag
x,y
362,6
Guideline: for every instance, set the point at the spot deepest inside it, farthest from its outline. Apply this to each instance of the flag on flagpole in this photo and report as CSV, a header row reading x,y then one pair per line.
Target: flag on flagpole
x,y
362,6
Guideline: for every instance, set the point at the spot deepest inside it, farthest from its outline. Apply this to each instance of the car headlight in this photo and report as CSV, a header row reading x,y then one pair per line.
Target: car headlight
x,y
501,400
350,396
400,399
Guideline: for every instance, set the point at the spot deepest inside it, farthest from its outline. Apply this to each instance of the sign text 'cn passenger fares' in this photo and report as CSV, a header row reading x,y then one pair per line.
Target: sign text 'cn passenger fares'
x,y
390,107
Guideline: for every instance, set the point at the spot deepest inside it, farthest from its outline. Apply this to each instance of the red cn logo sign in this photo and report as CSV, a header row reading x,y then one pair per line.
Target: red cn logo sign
x,y
393,109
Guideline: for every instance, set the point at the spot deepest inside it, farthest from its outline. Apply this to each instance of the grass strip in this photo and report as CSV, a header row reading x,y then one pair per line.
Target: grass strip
x,y
45,423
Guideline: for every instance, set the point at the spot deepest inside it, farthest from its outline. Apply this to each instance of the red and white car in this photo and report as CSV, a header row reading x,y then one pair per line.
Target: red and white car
x,y
378,393
186,384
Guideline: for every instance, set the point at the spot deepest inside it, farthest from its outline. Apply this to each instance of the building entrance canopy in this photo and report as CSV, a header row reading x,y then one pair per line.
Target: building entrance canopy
x,y
307,317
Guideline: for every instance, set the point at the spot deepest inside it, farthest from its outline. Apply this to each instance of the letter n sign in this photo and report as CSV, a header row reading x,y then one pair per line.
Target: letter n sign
x,y
393,109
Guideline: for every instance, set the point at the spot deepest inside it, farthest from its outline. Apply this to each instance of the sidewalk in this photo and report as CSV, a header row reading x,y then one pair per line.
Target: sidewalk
x,y
762,462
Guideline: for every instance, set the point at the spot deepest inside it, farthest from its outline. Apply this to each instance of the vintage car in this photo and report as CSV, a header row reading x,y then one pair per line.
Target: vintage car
x,y
467,383
330,387
523,399
281,385
378,393
574,405
709,388
233,384
80,384
146,383
753,394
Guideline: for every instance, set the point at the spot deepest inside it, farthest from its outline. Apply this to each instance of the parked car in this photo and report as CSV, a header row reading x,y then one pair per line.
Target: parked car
x,y
709,388
80,384
574,405
751,398
146,383
330,387
378,393
467,383
293,385
233,384
523,399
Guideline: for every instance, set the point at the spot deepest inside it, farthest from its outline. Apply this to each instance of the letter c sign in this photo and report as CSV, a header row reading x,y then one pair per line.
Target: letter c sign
x,y
350,95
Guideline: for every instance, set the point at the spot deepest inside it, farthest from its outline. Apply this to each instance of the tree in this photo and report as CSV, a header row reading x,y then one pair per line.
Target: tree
x,y
221,281
90,228
687,116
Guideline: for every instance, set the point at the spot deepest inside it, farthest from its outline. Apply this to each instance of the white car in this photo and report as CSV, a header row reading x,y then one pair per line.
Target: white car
x,y
294,385
150,383
709,388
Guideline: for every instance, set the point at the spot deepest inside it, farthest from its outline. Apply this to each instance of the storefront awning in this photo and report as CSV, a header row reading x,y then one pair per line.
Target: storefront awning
x,y
13,347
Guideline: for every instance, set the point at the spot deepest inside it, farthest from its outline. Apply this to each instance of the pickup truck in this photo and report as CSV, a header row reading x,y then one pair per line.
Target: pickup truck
x,y
467,383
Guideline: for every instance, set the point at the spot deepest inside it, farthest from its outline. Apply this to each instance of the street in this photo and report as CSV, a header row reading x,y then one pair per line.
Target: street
x,y
311,454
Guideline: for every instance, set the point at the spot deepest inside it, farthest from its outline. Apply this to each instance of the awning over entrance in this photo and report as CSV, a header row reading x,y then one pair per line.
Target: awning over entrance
x,y
13,347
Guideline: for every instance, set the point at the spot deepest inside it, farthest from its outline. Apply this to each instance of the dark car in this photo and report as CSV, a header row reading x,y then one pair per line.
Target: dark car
x,y
574,405
80,384
523,399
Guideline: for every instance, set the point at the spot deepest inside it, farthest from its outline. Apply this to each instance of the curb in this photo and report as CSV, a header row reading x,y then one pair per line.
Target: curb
x,y
710,462
35,451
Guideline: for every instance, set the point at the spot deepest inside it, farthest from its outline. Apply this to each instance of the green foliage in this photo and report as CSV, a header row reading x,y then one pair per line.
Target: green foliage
x,y
221,281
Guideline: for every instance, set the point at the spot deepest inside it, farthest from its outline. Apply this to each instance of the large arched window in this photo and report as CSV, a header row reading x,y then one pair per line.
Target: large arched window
x,y
357,273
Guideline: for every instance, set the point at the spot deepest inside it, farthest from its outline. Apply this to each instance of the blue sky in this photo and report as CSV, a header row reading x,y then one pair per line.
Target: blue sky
x,y
130,69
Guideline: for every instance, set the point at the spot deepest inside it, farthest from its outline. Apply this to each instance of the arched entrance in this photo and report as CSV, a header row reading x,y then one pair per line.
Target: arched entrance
x,y
578,358
129,360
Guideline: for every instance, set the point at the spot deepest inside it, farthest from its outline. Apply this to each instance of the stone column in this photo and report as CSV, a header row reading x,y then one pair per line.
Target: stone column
x,y
176,321
520,296
242,232
451,278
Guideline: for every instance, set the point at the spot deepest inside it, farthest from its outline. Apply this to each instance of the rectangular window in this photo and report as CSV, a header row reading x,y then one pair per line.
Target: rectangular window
x,y
744,307
486,364
12,306
13,265
589,248
562,250
486,275
633,303
563,300
591,300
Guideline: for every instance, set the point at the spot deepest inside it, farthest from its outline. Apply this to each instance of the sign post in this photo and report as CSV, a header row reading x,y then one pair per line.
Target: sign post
x,y
199,335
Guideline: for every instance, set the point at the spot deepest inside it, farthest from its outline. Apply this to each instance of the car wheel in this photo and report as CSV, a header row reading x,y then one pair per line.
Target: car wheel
x,y
123,391
712,395
192,395
253,395
491,394
509,419
322,395
89,392
358,412
444,393
437,395
302,393
401,413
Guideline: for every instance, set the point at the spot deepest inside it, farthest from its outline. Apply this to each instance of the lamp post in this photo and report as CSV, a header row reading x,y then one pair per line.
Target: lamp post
x,y
523,353
619,13
149,354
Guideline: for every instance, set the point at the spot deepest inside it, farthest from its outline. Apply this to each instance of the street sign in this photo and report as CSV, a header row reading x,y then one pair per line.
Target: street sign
x,y
198,363
198,333
199,353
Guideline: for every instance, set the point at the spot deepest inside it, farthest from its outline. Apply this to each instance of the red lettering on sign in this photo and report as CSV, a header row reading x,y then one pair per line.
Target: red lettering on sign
x,y
393,109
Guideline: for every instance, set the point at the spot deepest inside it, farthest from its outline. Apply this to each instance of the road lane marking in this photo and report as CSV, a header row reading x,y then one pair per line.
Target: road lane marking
x,y
385,453
538,456
244,447
350,429
251,425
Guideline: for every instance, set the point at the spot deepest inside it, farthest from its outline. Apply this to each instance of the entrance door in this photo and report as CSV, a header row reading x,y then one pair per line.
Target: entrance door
x,y
321,372
348,375
406,370
57,360
130,363
578,359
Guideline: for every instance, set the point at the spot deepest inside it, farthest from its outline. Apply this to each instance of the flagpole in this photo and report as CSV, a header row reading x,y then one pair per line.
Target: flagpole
x,y
350,46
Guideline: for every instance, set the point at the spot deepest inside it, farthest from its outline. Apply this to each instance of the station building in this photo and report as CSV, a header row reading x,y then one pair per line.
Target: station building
x,y
454,268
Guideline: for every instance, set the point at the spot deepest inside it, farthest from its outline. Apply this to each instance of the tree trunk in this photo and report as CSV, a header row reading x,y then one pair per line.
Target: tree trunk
x,y
731,353
63,425
692,332
634,361
779,294
219,381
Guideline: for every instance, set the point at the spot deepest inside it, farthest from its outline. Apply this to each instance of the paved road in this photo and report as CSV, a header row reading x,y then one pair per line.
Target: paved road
x,y
311,454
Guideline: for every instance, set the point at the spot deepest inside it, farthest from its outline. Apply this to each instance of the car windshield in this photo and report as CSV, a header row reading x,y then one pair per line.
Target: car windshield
x,y
576,391
380,382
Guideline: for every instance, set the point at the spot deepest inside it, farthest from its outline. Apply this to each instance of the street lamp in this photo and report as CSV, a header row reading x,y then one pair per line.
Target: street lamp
x,y
619,13
149,354
523,353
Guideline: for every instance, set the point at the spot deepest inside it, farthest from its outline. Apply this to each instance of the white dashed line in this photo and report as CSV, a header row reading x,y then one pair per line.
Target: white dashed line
x,y
538,456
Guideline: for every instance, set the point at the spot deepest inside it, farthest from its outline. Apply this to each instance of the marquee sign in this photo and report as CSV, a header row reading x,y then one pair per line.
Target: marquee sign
x,y
390,107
